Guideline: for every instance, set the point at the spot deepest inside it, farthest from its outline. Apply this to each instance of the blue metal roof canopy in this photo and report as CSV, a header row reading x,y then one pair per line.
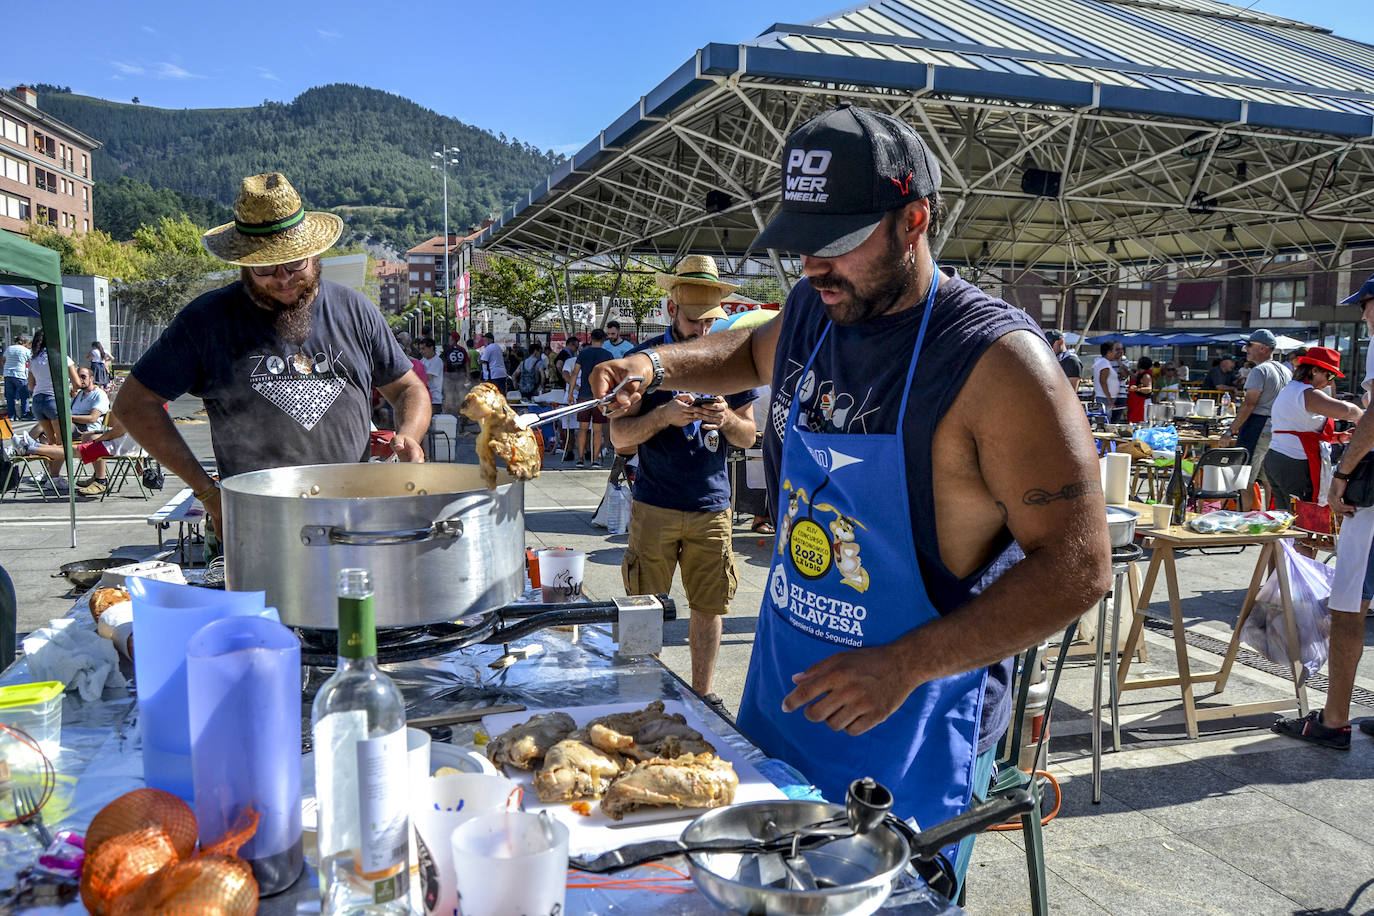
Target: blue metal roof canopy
x,y
1181,132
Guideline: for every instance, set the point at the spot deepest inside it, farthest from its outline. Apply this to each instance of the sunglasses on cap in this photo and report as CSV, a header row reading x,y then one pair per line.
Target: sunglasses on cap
x,y
294,267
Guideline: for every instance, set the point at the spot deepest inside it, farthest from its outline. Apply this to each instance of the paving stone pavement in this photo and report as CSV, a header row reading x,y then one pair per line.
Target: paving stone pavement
x,y
1237,821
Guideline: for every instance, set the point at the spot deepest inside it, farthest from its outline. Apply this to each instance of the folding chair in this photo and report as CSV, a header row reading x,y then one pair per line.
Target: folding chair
x,y
26,464
120,469
1011,777
1231,465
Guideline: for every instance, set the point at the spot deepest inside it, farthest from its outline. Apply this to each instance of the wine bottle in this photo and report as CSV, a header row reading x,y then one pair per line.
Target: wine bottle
x,y
1175,491
359,725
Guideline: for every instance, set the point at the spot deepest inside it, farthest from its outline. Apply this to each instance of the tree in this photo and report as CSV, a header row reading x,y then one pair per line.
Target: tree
x,y
93,252
514,285
763,289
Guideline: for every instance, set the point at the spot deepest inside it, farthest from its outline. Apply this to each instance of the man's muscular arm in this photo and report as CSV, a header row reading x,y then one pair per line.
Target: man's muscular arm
x,y
1022,460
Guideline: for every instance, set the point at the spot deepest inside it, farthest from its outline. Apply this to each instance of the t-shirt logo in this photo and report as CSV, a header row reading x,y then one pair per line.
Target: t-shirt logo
x,y
303,385
805,179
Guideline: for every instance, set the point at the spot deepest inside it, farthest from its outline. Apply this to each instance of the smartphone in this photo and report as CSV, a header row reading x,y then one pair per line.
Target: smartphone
x,y
704,402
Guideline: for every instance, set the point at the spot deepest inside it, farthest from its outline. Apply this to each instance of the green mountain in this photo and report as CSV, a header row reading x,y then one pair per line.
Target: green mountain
x,y
364,153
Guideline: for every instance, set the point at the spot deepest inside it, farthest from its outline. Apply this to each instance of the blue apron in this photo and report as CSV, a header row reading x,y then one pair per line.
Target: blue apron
x,y
845,575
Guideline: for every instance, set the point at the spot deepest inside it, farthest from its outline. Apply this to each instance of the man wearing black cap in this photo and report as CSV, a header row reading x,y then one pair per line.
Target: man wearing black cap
x,y
1253,426
1068,360
926,532
1330,726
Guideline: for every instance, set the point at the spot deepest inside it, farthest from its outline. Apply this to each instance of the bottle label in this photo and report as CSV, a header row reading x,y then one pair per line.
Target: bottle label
x,y
382,811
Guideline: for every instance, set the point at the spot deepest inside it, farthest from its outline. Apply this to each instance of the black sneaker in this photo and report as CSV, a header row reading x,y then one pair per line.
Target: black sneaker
x,y
1367,726
1310,728
717,705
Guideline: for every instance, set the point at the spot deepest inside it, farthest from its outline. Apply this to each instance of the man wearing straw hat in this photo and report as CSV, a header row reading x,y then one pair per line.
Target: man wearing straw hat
x,y
284,361
681,511
928,532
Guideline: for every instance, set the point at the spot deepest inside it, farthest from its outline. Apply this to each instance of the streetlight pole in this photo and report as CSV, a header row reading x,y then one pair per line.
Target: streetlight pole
x,y
444,161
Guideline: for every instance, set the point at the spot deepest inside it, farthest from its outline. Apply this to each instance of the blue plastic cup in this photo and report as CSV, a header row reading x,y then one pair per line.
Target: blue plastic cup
x,y
243,676
165,618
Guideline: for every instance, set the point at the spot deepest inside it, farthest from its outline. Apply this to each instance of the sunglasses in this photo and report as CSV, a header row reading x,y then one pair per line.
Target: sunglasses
x,y
291,269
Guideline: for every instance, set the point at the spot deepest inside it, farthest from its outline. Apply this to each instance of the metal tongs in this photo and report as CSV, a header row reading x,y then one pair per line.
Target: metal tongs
x,y
531,420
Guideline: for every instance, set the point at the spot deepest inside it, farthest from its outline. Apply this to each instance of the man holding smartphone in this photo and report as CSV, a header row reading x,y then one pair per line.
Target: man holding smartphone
x,y
681,511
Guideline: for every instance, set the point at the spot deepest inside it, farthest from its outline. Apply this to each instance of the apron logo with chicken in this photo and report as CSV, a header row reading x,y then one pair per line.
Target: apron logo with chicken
x,y
811,549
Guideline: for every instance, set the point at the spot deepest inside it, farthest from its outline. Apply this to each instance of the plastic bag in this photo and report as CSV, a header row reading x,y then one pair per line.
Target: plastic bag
x,y
1265,630
1224,522
614,512
1159,438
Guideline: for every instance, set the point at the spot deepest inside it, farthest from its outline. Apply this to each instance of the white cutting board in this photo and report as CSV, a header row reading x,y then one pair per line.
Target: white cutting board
x,y
596,832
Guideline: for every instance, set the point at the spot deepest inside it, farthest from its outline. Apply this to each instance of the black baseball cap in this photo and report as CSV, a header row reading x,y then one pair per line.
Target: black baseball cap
x,y
841,172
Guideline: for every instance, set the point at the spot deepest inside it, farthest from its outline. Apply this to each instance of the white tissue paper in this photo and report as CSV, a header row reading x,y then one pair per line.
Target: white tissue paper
x,y
75,656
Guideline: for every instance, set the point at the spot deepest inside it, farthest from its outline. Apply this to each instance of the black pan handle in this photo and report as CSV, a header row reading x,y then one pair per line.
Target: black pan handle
x,y
532,617
928,843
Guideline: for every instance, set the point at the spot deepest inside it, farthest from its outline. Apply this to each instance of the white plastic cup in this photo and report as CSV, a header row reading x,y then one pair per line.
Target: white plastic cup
x,y
1161,513
560,574
448,802
417,775
511,862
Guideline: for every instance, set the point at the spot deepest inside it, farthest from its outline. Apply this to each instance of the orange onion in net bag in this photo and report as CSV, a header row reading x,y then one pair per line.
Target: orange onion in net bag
x,y
139,861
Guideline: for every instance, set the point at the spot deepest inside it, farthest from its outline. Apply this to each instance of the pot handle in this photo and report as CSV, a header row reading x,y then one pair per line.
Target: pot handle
x,y
325,535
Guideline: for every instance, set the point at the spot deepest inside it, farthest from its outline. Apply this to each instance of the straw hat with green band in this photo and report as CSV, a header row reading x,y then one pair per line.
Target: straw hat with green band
x,y
271,227
696,287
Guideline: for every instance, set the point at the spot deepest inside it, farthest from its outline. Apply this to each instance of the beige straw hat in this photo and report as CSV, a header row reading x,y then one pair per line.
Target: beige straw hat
x,y
271,227
696,287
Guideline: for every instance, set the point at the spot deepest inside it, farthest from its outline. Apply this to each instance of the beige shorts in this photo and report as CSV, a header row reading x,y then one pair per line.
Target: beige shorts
x,y
661,540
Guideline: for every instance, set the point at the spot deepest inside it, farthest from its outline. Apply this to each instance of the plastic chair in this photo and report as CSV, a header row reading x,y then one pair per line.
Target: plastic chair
x,y
1234,461
445,425
1010,777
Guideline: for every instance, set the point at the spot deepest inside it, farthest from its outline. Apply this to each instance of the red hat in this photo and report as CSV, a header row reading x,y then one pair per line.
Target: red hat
x,y
452,335
1323,358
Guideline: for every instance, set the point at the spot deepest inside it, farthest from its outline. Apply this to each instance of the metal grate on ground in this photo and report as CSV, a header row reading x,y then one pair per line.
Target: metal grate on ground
x,y
1252,659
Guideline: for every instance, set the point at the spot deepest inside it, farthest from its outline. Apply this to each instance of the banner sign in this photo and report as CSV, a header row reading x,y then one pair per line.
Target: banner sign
x,y
460,299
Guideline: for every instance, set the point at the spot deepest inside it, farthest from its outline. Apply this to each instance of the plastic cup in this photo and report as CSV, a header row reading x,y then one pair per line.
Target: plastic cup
x,y
417,775
244,681
446,802
166,616
560,574
1160,515
511,862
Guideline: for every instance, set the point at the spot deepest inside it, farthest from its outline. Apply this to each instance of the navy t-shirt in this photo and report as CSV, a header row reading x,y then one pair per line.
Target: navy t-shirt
x,y
677,468
860,373
271,403
588,358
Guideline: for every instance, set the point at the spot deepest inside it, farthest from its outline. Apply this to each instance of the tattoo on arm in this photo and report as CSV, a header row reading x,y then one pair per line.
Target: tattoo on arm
x,y
1039,497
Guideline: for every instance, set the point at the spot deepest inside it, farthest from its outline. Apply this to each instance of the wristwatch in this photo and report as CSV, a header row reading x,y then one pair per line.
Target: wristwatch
x,y
657,378
1340,475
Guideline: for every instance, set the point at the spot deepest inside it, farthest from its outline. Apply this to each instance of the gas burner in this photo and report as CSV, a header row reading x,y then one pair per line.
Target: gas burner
x,y
503,625
400,644
1128,554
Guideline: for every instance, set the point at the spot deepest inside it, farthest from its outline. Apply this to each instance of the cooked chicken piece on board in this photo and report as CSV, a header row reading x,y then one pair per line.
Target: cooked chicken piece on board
x,y
525,745
689,781
647,733
574,769
500,436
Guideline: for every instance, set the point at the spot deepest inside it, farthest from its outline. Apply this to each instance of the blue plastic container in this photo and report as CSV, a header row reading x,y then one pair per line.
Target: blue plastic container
x,y
243,675
165,618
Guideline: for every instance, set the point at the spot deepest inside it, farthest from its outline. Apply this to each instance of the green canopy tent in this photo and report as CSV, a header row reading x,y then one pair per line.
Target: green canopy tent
x,y
24,263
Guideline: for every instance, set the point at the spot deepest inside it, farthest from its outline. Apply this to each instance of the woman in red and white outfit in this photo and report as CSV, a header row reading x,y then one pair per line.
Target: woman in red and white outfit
x,y
1304,414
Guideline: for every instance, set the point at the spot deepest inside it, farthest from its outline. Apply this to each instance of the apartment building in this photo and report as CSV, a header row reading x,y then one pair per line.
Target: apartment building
x,y
45,168
393,285
426,260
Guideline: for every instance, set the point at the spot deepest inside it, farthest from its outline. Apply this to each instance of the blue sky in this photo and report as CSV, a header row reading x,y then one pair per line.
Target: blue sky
x,y
550,72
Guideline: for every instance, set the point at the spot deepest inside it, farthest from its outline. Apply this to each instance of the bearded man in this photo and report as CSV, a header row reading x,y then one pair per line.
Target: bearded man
x,y
936,531
284,361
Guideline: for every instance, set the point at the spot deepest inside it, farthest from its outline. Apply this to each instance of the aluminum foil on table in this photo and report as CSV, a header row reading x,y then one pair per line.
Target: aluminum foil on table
x,y
100,757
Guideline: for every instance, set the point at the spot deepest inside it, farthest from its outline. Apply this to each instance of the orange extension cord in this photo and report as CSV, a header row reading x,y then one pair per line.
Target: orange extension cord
x,y
675,882
1058,800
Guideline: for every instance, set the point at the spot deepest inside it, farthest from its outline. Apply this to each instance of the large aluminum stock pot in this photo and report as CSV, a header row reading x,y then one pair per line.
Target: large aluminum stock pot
x,y
439,545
